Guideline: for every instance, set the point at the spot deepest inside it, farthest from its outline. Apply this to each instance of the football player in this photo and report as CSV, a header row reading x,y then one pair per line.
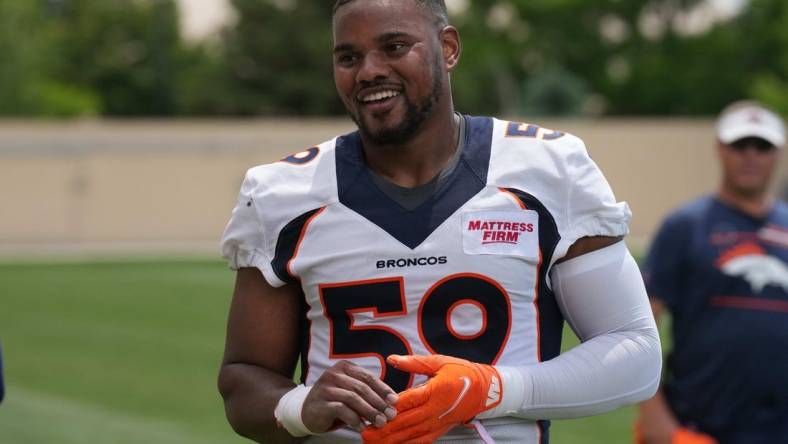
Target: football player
x,y
422,267
719,265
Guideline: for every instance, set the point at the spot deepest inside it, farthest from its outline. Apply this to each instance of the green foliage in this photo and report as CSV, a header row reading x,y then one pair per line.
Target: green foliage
x,y
520,57
76,57
770,84
771,91
279,57
123,49
63,100
29,82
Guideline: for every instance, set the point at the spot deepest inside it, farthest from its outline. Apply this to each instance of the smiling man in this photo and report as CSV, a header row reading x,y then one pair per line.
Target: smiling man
x,y
421,268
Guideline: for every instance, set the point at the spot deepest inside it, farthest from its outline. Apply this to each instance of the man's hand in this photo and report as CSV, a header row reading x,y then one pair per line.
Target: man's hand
x,y
679,435
346,393
686,436
456,392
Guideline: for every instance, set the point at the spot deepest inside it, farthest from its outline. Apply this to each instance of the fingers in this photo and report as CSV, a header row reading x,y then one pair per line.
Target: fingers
x,y
345,414
422,364
419,431
408,423
350,394
404,426
414,397
418,419
380,395
360,405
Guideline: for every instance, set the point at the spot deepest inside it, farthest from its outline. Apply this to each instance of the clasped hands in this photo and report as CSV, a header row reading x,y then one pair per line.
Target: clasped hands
x,y
457,390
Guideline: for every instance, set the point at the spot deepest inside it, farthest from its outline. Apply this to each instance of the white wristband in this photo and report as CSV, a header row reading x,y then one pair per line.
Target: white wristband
x,y
515,390
288,411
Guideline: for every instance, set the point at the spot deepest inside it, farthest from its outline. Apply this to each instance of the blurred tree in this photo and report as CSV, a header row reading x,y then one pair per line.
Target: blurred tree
x,y
520,57
29,81
279,58
560,57
766,25
125,50
76,57
573,57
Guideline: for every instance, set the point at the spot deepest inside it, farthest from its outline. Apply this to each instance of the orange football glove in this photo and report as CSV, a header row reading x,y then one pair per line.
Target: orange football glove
x,y
680,436
456,392
687,436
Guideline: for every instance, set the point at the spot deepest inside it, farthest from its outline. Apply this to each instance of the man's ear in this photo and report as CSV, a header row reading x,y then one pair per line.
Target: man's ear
x,y
451,46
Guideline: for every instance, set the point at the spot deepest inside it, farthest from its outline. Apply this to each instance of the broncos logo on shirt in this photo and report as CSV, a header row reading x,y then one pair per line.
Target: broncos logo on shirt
x,y
750,262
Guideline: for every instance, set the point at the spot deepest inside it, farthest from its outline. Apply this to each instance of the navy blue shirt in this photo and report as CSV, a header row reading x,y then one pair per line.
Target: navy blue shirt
x,y
723,275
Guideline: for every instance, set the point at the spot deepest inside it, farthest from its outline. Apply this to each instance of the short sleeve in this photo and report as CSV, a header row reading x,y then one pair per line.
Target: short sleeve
x,y
244,242
664,264
591,208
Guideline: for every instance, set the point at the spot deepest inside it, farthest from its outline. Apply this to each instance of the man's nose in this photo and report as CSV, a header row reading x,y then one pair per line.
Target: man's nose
x,y
373,67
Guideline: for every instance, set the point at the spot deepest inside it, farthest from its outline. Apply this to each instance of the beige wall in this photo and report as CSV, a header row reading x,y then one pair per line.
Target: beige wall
x,y
164,186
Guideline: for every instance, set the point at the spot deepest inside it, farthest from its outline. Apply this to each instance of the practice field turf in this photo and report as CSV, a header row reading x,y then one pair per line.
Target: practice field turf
x,y
127,353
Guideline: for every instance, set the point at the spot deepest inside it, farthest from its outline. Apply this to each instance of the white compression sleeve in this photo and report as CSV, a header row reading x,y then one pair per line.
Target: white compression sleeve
x,y
619,360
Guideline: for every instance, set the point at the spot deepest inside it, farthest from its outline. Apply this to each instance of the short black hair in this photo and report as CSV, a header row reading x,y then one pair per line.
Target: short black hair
x,y
436,7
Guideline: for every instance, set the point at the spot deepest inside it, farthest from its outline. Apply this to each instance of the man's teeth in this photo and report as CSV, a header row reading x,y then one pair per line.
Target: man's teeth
x,y
379,96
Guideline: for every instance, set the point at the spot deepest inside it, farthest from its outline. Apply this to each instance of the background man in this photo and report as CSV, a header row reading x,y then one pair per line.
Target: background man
x,y
419,248
718,265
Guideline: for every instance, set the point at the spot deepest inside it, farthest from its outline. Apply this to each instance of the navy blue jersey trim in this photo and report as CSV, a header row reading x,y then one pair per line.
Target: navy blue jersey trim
x,y
551,321
544,431
306,336
286,245
358,192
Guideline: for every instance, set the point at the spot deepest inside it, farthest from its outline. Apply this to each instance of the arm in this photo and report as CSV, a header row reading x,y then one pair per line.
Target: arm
x,y
657,422
665,271
600,290
602,296
259,361
259,357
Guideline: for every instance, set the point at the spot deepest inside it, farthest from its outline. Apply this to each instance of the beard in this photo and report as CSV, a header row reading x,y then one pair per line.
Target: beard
x,y
415,116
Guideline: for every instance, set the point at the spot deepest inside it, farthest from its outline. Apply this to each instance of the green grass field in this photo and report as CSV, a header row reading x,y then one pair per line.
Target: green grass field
x,y
127,352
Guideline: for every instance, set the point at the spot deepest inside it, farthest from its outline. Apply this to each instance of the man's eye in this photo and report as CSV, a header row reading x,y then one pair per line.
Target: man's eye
x,y
395,47
346,59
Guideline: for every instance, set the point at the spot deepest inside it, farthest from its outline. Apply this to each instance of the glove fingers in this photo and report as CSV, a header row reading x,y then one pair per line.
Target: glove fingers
x,y
421,431
405,425
413,398
421,364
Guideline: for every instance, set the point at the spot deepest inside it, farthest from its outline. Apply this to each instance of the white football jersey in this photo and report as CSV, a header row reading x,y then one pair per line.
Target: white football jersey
x,y
464,274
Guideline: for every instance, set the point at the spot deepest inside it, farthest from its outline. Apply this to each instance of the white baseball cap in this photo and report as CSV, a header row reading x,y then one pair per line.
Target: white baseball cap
x,y
750,119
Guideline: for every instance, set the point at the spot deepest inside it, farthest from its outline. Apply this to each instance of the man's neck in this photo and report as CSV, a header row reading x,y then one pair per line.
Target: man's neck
x,y
420,159
756,204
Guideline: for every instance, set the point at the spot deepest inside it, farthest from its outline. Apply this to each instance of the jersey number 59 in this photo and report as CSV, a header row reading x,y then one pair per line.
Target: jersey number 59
x,y
385,298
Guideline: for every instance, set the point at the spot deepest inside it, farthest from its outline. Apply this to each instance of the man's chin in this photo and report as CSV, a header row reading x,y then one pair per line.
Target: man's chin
x,y
385,131
751,189
387,135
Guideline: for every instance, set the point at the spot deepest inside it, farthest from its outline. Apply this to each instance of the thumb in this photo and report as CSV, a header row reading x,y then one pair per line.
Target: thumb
x,y
421,364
